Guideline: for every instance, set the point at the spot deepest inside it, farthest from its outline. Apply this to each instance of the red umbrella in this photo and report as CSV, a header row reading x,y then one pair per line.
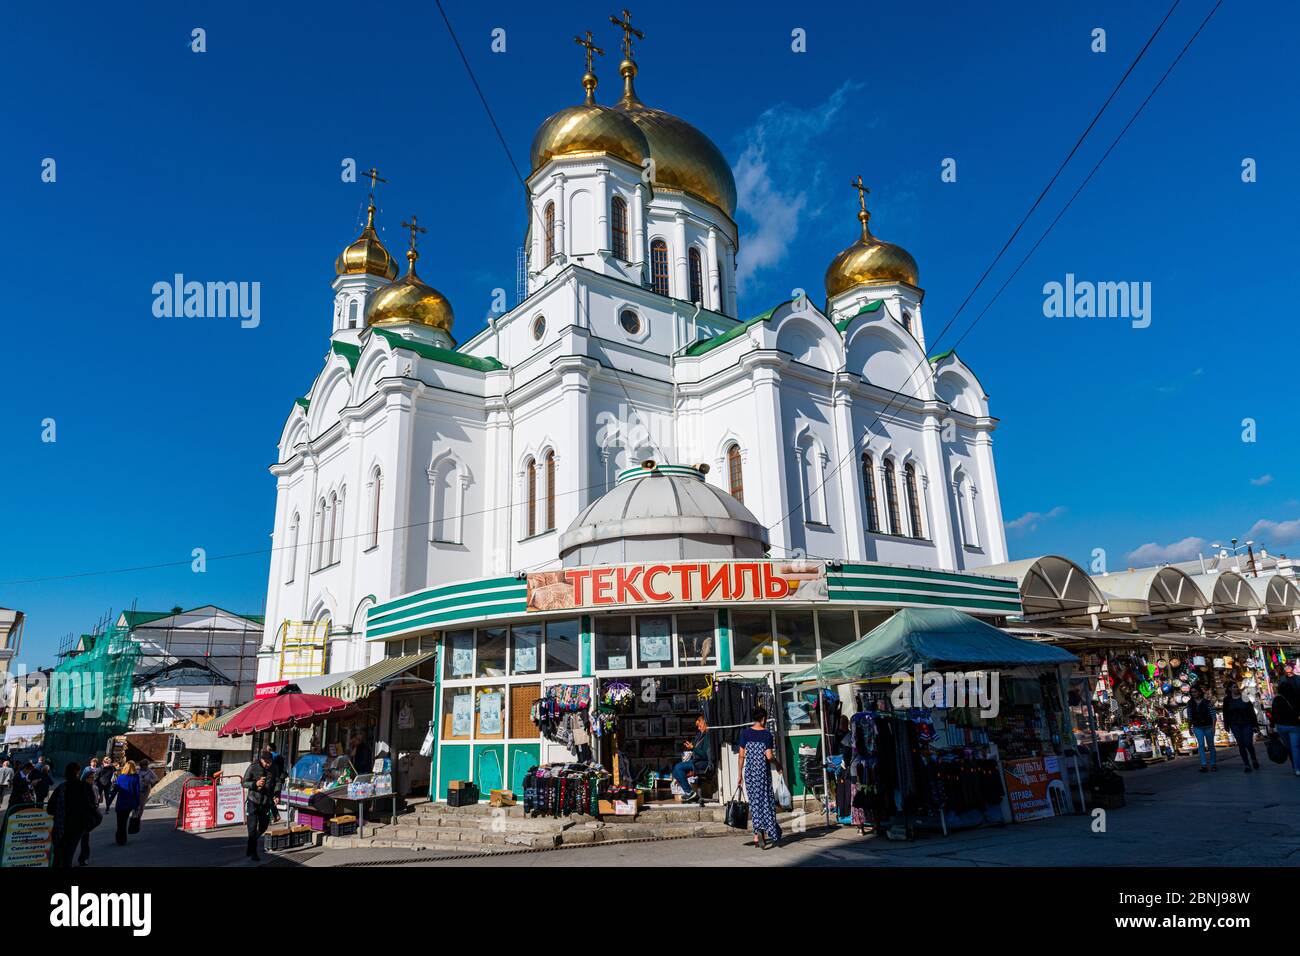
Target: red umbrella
x,y
282,710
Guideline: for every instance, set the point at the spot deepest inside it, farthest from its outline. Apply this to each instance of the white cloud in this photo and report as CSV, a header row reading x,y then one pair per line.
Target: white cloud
x,y
1030,520
778,152
1273,533
1152,553
1261,480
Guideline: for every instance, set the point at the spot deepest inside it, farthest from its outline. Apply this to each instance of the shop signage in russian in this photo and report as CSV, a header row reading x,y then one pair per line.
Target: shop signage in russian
x,y
28,838
1034,787
687,582
198,809
230,804
270,688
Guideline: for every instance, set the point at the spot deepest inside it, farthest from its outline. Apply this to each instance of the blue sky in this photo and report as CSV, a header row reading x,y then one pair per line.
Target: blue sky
x,y
225,166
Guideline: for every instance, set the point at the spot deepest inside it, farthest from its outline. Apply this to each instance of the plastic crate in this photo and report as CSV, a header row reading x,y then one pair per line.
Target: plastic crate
x,y
342,829
281,840
314,820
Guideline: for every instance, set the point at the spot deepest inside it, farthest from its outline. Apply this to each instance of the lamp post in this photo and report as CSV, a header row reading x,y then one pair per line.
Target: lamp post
x,y
1236,549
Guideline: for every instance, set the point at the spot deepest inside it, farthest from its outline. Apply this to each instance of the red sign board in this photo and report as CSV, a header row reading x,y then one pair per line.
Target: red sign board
x,y
198,808
1034,787
270,688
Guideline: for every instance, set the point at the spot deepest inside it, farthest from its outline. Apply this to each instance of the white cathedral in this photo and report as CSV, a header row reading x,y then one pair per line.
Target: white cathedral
x,y
414,460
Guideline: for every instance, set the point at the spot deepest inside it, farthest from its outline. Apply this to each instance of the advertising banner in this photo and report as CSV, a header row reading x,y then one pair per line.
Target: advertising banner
x,y
230,804
1035,788
28,839
198,810
687,582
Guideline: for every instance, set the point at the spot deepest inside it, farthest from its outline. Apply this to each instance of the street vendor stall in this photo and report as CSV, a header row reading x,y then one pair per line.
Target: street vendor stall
x,y
956,724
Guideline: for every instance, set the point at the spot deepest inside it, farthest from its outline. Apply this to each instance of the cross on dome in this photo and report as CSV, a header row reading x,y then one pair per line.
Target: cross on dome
x,y
629,31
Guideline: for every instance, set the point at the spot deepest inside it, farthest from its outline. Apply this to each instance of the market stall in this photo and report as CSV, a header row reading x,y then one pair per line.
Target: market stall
x,y
954,723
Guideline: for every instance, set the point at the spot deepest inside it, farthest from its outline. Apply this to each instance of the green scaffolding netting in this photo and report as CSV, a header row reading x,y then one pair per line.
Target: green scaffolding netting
x,y
89,698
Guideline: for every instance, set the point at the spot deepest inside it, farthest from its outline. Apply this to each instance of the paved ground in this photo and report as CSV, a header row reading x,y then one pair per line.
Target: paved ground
x,y
1175,817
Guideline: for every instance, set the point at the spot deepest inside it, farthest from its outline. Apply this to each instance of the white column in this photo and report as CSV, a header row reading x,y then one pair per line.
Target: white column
x,y
728,268
714,300
769,465
602,212
397,481
681,280
851,502
638,225
498,489
560,246
988,500
939,520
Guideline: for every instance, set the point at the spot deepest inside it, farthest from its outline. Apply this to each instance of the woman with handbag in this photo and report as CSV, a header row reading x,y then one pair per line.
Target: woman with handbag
x,y
127,788
756,755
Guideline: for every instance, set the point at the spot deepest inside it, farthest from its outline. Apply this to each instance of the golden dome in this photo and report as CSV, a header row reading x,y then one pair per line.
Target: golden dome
x,y
366,255
589,128
870,261
410,300
685,159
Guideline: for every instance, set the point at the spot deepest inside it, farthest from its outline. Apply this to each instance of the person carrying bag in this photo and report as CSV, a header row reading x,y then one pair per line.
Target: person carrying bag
x,y
736,814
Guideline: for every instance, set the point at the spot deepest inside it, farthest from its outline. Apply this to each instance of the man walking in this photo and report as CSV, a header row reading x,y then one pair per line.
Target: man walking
x,y
1239,714
42,779
1200,714
1285,715
104,783
6,780
258,782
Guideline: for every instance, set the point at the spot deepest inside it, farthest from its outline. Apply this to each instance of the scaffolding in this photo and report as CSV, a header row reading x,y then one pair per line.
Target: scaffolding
x,y
304,649
90,696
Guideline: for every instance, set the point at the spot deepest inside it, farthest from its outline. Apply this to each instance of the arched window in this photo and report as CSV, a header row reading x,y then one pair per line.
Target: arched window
x,y
735,478
318,537
550,491
530,493
913,500
659,267
966,511
333,530
376,489
548,242
336,539
443,502
811,462
907,321
697,277
869,491
891,498
353,309
291,558
618,227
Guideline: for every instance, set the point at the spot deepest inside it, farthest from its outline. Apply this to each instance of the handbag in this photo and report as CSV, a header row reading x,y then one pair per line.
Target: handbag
x,y
133,825
736,814
1277,750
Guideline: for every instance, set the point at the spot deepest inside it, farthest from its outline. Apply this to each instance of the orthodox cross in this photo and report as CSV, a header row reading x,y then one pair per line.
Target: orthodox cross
x,y
862,193
373,175
414,226
590,47
629,32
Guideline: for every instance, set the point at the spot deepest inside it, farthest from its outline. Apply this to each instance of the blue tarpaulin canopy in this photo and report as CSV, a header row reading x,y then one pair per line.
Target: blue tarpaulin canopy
x,y
936,638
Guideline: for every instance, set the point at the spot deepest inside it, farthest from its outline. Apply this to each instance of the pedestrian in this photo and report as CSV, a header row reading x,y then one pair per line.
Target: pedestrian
x,y
42,779
755,770
23,792
1285,717
126,791
1240,717
6,779
88,777
1200,714
257,784
74,811
363,757
90,772
104,783
278,776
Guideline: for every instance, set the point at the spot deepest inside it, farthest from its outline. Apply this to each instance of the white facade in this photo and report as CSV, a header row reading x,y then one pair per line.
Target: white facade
x,y
408,463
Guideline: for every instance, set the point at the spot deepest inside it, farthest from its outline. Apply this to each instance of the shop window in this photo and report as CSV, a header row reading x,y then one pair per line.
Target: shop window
x,y
457,713
836,629
525,649
561,646
654,641
796,642
696,644
491,652
613,643
490,713
522,698
799,709
393,649
458,663
751,637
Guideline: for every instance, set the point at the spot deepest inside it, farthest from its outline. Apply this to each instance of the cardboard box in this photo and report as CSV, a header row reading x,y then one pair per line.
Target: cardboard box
x,y
458,785
501,798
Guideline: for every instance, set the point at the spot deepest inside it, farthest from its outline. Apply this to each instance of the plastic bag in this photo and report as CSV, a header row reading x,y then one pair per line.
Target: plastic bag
x,y
780,792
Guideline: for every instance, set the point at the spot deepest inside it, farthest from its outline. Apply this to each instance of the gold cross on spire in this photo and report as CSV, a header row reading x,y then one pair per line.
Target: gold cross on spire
x,y
863,215
372,174
629,32
415,227
590,47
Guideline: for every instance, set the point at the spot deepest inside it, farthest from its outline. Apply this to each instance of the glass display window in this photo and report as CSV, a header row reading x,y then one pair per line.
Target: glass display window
x,y
526,649
613,643
459,661
490,713
796,639
835,629
798,711
492,643
457,713
562,646
751,637
697,644
654,641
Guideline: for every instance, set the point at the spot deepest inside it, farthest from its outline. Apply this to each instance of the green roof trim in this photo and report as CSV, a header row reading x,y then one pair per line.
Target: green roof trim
x,y
136,618
872,306
349,351
305,402
446,356
699,348
941,356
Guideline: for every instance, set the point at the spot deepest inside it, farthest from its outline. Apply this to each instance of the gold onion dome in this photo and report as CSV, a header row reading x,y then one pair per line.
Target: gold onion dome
x,y
870,261
589,128
684,158
366,254
410,300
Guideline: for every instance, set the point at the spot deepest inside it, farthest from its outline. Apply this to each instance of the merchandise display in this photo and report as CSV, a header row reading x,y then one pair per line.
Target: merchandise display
x,y
557,790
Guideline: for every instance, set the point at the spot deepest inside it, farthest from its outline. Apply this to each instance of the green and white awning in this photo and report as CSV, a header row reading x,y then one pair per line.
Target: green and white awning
x,y
362,683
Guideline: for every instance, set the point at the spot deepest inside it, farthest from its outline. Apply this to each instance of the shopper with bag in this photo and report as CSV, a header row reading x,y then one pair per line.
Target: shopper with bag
x,y
126,794
258,782
88,778
1200,714
1239,715
73,810
757,748
1286,717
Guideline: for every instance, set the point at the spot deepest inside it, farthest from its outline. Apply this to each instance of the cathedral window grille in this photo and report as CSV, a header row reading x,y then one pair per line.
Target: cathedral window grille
x,y
550,491
618,227
913,500
531,497
659,267
549,242
891,498
869,491
697,277
735,475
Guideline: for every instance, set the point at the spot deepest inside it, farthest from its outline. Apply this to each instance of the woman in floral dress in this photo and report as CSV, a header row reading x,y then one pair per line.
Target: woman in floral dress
x,y
755,765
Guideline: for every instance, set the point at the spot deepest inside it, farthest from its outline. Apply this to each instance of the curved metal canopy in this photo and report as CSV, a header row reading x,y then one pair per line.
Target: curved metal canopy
x,y
1152,592
1051,587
